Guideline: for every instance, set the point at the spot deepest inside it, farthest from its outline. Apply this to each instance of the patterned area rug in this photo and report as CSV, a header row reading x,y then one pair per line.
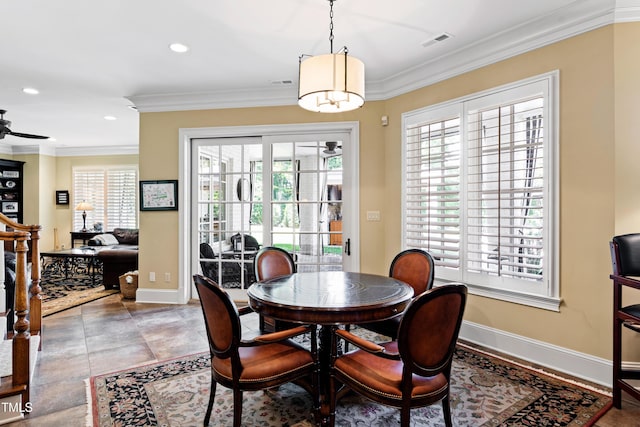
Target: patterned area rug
x,y
486,391
61,293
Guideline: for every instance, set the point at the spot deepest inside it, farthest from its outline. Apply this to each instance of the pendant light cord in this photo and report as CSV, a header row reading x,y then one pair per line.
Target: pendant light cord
x,y
331,25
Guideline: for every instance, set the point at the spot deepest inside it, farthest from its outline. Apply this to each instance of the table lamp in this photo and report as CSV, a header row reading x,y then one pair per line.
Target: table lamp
x,y
84,207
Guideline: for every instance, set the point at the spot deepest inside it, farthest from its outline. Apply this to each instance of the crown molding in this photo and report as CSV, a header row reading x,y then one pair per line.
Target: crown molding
x,y
49,150
239,98
31,149
627,10
576,18
119,150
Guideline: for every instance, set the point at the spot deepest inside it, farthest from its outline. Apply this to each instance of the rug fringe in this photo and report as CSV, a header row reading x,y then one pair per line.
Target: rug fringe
x,y
89,415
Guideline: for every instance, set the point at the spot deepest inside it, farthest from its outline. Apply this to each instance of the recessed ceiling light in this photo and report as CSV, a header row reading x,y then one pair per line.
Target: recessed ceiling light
x,y
30,90
178,47
110,118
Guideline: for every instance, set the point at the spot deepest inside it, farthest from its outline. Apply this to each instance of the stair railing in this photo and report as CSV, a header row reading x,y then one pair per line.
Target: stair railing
x,y
28,310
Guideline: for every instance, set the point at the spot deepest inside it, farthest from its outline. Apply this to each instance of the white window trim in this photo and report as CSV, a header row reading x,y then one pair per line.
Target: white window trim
x,y
550,300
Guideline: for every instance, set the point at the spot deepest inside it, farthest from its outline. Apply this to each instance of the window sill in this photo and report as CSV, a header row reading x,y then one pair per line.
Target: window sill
x,y
537,301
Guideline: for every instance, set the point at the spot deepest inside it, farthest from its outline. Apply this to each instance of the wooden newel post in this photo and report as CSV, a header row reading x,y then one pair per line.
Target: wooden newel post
x,y
35,289
22,336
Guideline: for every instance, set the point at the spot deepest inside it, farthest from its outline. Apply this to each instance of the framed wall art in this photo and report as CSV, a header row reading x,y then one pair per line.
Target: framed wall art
x,y
159,195
62,197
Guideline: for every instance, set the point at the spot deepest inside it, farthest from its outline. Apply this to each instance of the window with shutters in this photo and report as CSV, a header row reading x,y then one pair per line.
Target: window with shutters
x,y
479,190
111,191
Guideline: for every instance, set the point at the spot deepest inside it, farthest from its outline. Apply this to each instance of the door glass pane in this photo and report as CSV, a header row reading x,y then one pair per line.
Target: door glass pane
x,y
304,176
230,224
292,199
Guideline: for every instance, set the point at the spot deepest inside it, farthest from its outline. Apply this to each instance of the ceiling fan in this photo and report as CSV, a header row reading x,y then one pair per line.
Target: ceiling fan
x,y
5,130
331,147
330,150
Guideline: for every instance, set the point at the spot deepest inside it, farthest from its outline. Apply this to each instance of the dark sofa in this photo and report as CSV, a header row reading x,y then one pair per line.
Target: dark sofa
x,y
117,258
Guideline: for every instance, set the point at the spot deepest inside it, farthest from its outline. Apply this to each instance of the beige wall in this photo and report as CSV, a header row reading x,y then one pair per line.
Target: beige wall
x,y
626,173
598,175
39,173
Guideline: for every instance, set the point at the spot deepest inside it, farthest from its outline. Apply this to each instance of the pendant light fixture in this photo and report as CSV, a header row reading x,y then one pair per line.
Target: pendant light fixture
x,y
330,83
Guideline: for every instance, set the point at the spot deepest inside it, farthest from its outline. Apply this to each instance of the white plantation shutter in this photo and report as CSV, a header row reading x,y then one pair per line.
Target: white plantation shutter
x,y
505,226
113,194
121,206
432,195
478,190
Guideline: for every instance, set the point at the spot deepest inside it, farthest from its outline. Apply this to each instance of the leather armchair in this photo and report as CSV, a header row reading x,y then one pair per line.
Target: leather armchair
x,y
414,370
263,362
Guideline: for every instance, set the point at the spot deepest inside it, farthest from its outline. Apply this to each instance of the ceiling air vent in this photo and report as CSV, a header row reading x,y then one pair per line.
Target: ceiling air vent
x,y
439,38
281,82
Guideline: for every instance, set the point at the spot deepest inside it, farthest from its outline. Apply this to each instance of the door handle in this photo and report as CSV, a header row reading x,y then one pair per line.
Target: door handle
x,y
347,247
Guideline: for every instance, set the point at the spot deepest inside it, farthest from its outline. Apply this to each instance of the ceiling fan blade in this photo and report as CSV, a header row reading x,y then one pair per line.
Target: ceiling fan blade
x,y
26,135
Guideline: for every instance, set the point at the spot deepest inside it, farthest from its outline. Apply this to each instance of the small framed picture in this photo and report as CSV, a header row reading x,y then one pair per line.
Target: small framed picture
x,y
11,174
9,207
10,196
62,197
159,195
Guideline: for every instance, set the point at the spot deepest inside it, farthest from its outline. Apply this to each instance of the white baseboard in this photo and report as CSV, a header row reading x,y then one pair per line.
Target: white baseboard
x,y
158,296
585,366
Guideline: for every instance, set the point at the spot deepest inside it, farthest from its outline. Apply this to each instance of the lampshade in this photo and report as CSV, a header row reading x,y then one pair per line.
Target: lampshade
x,y
330,83
84,206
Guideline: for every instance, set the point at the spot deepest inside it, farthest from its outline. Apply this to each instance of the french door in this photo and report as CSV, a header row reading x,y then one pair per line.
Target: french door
x,y
289,191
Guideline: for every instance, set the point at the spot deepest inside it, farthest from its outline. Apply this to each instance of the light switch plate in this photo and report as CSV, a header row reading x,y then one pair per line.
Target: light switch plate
x,y
373,215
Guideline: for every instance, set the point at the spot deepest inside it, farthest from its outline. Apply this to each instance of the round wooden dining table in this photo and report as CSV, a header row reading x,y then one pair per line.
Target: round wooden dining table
x,y
328,299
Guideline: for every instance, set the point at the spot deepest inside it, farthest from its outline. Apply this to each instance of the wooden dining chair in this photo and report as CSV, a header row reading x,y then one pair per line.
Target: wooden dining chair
x,y
625,258
271,262
263,362
415,268
414,370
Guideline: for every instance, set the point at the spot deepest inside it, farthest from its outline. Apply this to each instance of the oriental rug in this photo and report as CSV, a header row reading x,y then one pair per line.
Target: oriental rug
x,y
61,293
486,391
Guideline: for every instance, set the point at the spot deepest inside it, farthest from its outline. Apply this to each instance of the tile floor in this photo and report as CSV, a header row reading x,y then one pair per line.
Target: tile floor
x,y
112,334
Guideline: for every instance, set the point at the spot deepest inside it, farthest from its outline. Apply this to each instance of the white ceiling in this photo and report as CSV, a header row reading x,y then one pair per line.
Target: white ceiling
x,y
90,59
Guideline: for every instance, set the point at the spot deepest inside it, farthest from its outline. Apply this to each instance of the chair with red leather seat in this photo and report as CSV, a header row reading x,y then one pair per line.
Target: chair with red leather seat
x,y
263,362
414,370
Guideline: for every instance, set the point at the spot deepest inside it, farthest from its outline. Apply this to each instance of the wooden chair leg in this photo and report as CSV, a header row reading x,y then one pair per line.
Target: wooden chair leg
x,y
446,410
212,396
237,408
617,362
405,416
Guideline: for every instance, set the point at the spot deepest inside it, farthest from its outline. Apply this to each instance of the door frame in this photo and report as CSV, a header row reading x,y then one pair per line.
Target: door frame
x,y
187,265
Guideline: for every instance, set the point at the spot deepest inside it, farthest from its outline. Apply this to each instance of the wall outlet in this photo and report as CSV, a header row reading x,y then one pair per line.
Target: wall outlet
x,y
152,276
167,277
